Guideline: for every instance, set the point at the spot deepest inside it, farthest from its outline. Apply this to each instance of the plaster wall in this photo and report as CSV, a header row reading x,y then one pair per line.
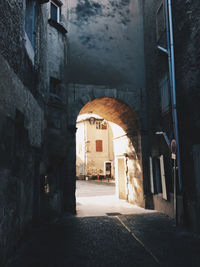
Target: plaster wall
x,y
93,162
106,43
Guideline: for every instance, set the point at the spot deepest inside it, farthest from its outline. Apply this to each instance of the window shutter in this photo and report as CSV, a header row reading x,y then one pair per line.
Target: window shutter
x,y
99,146
163,181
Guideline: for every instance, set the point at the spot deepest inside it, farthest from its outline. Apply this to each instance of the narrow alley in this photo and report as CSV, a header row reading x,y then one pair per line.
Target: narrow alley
x,y
107,232
91,91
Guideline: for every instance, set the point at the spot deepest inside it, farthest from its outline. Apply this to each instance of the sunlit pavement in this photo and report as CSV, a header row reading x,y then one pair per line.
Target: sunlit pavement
x,y
96,198
108,233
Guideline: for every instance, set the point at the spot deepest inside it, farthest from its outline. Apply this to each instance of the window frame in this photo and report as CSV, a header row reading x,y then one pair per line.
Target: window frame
x,y
58,6
98,125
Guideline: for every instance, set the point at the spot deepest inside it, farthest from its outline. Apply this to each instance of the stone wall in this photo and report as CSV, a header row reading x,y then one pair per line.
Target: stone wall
x,y
106,43
123,108
187,51
186,39
56,111
22,124
106,59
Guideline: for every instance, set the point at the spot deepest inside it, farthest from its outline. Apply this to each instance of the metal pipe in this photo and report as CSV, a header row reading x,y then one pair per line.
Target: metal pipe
x,y
170,40
165,137
162,49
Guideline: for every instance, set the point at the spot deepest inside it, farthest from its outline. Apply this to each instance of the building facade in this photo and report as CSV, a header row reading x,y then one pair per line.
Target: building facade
x,y
94,149
185,16
30,32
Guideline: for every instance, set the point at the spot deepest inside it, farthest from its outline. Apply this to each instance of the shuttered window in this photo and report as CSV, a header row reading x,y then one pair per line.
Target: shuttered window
x,y
55,11
99,145
164,93
160,21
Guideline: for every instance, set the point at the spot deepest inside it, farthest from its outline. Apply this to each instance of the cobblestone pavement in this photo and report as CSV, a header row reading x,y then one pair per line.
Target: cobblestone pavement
x,y
118,238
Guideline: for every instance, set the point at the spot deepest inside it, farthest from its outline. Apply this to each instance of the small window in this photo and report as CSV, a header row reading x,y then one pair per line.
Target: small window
x,y
98,125
104,126
160,20
101,125
55,12
164,94
163,179
30,21
55,86
87,146
157,176
99,145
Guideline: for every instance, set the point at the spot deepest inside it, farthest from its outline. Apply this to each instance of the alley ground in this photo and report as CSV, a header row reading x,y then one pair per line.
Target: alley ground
x,y
107,232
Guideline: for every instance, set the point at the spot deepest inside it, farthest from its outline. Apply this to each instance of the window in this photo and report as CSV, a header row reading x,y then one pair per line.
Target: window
x,y
163,180
30,21
160,20
158,180
151,175
98,125
54,119
101,125
87,146
156,176
104,125
55,16
164,94
55,11
55,86
99,145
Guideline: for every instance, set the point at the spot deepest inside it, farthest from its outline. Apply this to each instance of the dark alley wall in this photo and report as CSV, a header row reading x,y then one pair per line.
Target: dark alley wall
x,y
187,64
21,124
106,43
187,59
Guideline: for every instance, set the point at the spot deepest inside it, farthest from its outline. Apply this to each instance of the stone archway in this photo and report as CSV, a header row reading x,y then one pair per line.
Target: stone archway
x,y
123,108
127,146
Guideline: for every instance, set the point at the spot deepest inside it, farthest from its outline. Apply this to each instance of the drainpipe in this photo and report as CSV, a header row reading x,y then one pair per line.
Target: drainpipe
x,y
170,42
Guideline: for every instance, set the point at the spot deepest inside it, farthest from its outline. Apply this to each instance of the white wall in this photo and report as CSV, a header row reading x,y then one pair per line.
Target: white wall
x,y
86,153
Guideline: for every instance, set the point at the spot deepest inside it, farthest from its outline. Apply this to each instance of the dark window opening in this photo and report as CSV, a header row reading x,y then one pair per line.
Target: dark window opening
x,y
54,12
55,86
164,94
157,176
30,20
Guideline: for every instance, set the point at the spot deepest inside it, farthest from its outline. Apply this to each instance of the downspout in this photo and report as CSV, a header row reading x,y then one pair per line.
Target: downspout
x,y
170,42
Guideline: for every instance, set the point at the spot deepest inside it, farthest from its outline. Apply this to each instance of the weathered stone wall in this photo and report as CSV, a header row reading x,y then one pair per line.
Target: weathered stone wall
x,y
156,63
18,137
106,43
21,124
15,96
106,53
186,39
12,43
187,51
56,112
121,107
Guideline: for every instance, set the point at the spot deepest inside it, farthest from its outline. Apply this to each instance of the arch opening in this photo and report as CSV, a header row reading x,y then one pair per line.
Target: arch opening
x,y
108,146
